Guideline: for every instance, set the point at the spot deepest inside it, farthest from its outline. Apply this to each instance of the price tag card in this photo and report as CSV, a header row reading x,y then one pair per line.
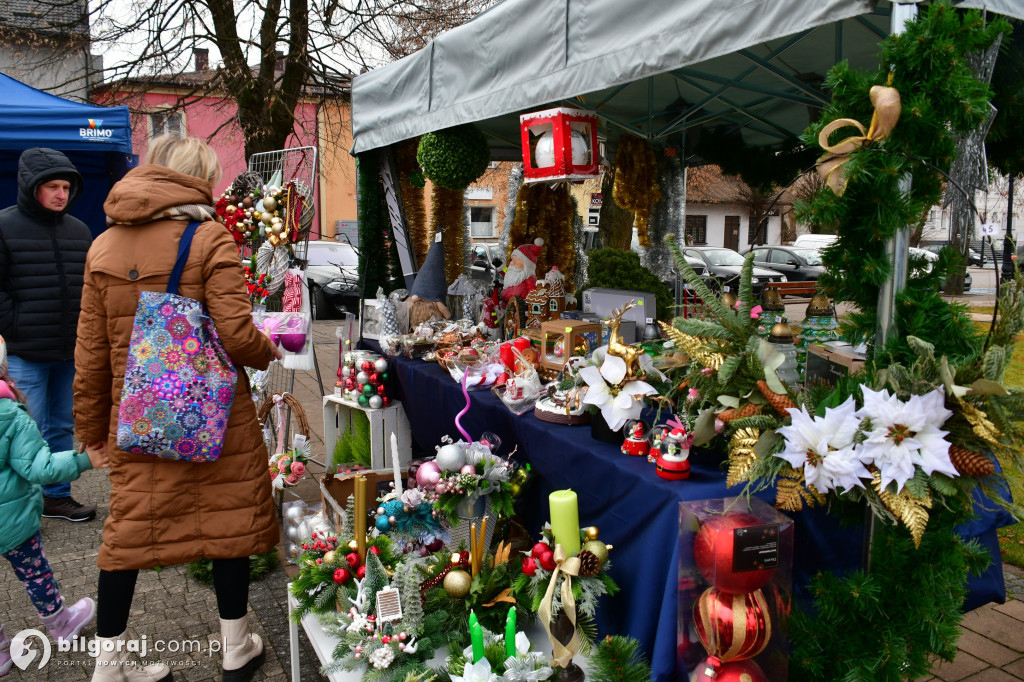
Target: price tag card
x,y
755,548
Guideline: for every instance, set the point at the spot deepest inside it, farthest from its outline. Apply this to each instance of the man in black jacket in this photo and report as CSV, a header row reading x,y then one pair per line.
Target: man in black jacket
x,y
42,261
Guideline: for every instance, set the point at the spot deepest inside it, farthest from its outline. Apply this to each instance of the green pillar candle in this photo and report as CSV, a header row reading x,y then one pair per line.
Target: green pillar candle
x,y
476,635
565,521
510,633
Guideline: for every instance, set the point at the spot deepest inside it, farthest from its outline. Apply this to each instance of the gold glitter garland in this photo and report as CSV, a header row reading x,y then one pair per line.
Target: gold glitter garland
x,y
545,212
412,198
636,185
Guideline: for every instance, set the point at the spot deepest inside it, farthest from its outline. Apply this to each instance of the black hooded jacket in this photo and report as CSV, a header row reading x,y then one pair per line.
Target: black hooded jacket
x,y
42,261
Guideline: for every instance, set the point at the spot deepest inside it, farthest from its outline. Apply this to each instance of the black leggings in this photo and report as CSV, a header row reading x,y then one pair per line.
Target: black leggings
x,y
116,589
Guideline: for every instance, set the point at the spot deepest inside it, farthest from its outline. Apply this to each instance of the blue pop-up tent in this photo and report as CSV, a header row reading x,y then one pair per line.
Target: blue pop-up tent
x,y
98,140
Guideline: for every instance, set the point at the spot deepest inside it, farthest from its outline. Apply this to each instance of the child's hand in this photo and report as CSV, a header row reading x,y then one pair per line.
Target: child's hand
x,y
98,455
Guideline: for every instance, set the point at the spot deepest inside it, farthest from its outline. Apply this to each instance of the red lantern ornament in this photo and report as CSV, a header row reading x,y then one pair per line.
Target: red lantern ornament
x,y
712,670
713,553
559,144
732,627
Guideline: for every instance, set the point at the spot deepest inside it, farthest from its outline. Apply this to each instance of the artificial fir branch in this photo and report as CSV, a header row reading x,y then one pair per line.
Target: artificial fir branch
x,y
619,659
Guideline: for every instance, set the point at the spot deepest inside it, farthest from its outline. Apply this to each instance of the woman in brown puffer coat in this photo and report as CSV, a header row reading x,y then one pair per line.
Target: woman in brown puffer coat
x,y
165,512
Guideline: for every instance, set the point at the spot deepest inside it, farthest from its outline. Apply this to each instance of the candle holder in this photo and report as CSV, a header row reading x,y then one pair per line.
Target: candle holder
x,y
563,629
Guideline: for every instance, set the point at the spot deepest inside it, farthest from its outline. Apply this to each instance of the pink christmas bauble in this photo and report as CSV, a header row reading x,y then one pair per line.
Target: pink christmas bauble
x,y
428,474
713,554
468,469
293,342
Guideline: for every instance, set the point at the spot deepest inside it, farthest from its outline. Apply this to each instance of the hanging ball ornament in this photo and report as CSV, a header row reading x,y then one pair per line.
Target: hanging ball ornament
x,y
712,670
293,514
330,557
593,533
713,553
381,365
732,627
294,551
269,204
376,402
457,583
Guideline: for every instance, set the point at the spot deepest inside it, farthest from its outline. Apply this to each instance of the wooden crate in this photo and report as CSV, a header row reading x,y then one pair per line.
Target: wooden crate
x,y
338,416
826,364
336,489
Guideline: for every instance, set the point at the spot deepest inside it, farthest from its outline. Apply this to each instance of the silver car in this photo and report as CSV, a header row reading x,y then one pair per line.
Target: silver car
x,y
332,269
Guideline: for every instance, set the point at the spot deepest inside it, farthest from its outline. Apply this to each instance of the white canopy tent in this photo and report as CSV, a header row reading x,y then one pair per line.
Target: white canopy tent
x,y
649,67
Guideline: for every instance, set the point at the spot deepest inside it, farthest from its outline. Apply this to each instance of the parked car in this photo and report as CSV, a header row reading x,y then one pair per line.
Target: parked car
x,y
487,262
930,257
332,269
973,257
797,263
724,266
815,241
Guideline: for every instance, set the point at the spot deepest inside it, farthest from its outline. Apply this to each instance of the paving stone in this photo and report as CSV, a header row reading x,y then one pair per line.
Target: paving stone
x,y
989,622
1016,668
1012,608
959,668
992,675
986,649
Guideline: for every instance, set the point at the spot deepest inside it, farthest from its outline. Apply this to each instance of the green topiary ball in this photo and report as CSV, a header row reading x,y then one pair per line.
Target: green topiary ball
x,y
455,157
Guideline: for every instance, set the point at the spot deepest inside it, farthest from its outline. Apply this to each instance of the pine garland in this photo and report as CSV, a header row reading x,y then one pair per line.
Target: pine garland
x,y
941,99
378,253
619,659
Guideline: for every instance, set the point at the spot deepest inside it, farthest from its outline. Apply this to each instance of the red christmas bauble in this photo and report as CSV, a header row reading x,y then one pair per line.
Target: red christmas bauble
x,y
734,671
382,389
374,378
341,576
547,561
732,627
366,366
350,384
386,400
361,572
373,549
713,553
529,566
352,559
539,549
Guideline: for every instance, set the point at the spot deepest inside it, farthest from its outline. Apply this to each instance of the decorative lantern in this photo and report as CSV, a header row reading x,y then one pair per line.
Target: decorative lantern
x,y
782,337
563,339
565,146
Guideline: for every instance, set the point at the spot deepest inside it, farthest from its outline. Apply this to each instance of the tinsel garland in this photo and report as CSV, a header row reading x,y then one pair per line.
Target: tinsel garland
x,y
668,215
546,212
636,183
515,181
616,223
446,208
410,177
579,234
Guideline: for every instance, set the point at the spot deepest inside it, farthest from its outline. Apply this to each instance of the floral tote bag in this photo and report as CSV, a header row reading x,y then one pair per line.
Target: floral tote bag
x,y
179,382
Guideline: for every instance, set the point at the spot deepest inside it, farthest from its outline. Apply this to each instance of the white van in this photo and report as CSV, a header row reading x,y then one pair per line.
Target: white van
x,y
815,241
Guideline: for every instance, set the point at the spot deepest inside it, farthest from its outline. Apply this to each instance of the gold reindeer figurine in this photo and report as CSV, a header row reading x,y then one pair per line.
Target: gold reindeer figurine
x,y
629,354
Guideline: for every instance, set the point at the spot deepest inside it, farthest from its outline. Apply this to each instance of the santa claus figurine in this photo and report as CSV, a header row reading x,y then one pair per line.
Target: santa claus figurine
x,y
521,275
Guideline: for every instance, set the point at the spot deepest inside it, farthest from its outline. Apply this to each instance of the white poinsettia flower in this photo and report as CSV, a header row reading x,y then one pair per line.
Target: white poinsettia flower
x,y
825,448
905,435
476,672
617,403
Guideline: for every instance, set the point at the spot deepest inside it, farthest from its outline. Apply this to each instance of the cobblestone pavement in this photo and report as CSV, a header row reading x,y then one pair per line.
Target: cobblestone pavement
x,y
173,607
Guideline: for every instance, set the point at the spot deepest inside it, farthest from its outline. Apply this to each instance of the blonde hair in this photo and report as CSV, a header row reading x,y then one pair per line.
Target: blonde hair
x,y
188,155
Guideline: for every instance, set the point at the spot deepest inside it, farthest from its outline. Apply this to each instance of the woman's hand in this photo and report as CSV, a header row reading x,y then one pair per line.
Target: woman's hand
x,y
277,351
98,455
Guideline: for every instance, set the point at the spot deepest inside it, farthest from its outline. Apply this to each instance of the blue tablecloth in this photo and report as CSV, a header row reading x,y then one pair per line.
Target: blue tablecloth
x,y
636,511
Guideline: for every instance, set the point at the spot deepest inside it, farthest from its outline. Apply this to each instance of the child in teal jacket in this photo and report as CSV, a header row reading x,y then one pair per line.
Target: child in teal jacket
x,y
25,464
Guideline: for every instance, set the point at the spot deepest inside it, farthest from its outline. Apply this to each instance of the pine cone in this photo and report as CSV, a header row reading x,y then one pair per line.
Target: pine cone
x,y
590,565
779,401
970,463
748,410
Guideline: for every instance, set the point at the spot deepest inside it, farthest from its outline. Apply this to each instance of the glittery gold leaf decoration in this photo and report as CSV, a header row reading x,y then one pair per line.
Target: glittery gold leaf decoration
x,y
793,493
741,455
980,423
911,510
693,347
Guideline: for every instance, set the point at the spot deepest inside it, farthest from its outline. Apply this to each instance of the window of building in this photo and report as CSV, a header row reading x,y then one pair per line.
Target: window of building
x,y
696,229
756,234
167,123
481,219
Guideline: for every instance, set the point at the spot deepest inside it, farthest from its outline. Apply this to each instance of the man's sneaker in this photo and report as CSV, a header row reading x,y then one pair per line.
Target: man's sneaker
x,y
66,508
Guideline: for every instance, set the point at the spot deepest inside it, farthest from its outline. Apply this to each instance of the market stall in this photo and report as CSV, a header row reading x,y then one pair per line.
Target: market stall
x,y
98,140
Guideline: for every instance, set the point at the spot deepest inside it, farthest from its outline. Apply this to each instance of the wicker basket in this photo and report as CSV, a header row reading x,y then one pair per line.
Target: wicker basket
x,y
292,403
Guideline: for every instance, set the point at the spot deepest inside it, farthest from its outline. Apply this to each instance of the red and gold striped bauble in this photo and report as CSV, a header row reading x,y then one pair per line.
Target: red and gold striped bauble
x,y
732,627
734,671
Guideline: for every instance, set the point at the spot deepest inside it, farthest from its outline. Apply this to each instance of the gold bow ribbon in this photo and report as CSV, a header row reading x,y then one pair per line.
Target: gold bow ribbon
x,y
886,101
562,653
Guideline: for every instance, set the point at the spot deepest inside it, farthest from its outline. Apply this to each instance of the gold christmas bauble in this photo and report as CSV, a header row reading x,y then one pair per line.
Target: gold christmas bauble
x,y
593,533
457,583
276,221
598,549
256,215
330,557
353,545
267,217
269,204
729,299
456,558
277,228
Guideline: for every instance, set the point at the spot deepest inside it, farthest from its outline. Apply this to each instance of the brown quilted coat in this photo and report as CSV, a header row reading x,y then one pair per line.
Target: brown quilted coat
x,y
167,512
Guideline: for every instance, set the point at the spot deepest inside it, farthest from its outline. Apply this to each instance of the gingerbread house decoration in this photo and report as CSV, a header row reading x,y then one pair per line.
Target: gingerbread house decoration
x,y
537,305
555,283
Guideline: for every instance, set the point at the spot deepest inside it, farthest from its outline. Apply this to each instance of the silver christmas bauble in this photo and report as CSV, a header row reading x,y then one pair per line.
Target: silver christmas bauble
x,y
381,365
293,533
346,371
293,514
376,402
294,550
450,457
362,378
